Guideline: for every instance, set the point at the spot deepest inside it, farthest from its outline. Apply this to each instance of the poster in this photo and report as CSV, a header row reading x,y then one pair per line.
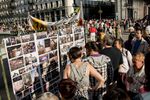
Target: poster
x,y
34,64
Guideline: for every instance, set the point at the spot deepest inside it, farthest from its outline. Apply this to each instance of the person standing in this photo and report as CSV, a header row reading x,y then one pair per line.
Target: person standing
x,y
145,89
139,44
80,71
114,54
135,77
92,31
103,65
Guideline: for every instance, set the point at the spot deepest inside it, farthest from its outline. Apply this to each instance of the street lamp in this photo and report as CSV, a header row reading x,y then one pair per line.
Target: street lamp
x,y
100,12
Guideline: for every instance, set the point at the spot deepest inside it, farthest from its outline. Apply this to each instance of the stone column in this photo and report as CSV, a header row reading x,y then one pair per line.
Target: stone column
x,y
69,7
60,14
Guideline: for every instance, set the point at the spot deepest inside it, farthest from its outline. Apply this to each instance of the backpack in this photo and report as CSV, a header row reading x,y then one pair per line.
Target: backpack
x,y
106,62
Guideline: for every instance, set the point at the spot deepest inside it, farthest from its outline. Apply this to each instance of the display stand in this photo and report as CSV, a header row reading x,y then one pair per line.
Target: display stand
x,y
4,78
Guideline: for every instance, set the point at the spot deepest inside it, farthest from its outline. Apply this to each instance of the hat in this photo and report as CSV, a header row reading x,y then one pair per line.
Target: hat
x,y
131,28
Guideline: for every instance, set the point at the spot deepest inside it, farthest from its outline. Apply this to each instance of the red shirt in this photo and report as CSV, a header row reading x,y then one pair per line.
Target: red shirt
x,y
92,30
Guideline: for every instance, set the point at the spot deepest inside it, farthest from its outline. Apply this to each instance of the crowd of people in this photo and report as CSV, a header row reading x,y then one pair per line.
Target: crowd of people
x,y
113,68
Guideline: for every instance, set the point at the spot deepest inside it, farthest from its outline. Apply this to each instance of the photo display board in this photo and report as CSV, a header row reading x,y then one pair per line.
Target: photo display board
x,y
70,36
35,59
34,64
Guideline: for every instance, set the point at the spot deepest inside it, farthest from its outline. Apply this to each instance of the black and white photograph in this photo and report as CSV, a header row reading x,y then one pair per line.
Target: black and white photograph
x,y
66,38
78,36
41,35
27,38
65,48
15,73
13,40
30,58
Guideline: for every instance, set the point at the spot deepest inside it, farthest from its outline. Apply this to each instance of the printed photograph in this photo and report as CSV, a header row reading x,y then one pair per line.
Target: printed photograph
x,y
63,40
16,63
13,41
66,30
78,30
14,51
69,38
41,35
53,43
30,58
18,84
47,45
22,70
52,54
80,43
27,38
66,38
27,79
33,71
52,33
15,73
65,48
78,36
43,58
29,47
41,47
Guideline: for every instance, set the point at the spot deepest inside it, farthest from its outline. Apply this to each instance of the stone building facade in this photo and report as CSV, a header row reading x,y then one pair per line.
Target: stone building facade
x,y
16,11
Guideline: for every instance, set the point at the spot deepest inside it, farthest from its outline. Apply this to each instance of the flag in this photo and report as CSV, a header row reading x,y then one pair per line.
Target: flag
x,y
37,24
80,22
75,17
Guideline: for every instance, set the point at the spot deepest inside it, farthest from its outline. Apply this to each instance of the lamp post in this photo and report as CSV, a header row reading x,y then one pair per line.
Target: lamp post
x,y
100,12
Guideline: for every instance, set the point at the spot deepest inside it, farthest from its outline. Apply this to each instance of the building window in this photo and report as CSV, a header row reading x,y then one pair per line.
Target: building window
x,y
63,2
130,13
51,4
57,5
63,13
52,16
45,5
58,15
130,2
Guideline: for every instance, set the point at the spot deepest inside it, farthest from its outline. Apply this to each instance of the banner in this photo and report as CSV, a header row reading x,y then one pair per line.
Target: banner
x,y
37,24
